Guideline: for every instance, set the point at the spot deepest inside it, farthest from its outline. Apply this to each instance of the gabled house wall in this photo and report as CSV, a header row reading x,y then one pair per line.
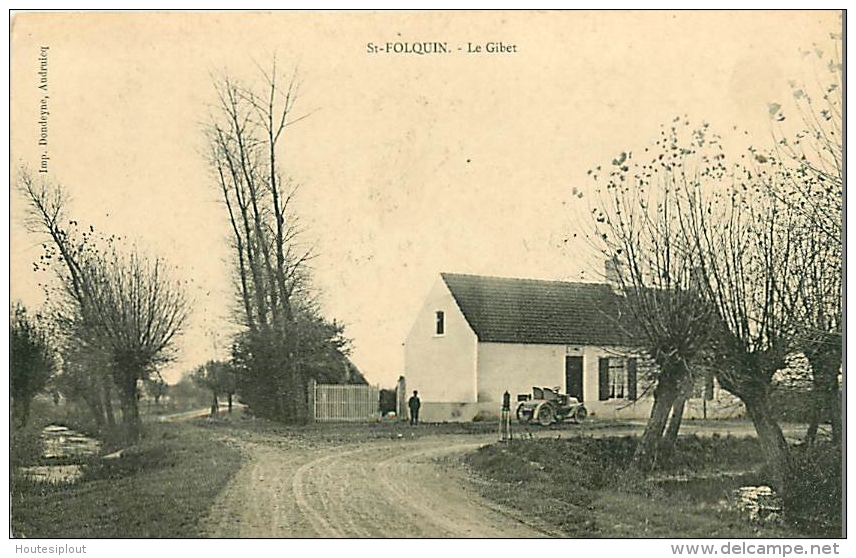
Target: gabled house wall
x,y
441,367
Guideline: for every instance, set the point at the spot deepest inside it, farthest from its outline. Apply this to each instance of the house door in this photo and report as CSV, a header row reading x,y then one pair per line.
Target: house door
x,y
574,376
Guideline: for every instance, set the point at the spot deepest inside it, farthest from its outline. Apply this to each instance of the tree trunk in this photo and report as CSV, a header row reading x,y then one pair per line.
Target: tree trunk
x,y
817,398
813,421
773,445
301,398
835,411
215,406
667,444
831,393
750,381
107,394
670,437
646,449
130,408
826,395
21,411
230,402
294,392
25,411
96,409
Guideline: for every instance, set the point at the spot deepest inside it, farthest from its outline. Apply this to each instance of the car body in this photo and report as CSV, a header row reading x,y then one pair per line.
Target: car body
x,y
546,406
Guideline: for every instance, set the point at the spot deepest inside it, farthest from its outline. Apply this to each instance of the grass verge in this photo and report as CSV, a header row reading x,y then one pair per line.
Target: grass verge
x,y
584,488
159,489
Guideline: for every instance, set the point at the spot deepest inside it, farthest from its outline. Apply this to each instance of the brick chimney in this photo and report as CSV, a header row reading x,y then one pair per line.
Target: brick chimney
x,y
611,271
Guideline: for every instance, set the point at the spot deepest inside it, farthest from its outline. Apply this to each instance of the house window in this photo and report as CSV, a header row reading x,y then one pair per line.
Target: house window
x,y
440,323
617,378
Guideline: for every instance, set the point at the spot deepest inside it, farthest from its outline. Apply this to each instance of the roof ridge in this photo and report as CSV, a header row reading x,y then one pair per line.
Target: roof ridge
x,y
527,279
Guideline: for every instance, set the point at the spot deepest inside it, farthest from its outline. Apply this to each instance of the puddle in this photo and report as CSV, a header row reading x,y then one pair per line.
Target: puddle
x,y
731,489
759,503
57,474
61,443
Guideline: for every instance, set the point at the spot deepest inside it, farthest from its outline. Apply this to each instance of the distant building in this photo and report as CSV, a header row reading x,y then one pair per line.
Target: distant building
x,y
476,337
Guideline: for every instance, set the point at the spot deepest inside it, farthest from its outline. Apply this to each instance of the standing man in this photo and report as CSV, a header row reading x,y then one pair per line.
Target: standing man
x,y
413,403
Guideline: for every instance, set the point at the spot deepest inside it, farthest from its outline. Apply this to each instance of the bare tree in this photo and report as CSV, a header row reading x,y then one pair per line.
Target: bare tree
x,y
745,242
140,309
810,162
637,228
244,139
122,304
709,255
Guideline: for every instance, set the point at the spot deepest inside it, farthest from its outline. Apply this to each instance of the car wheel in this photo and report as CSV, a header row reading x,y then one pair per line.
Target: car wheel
x,y
580,414
545,415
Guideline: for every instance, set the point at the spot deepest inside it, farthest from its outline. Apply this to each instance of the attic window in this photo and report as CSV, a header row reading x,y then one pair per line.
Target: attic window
x,y
440,322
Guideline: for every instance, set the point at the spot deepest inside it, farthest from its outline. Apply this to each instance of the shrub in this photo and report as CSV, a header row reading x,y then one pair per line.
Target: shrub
x,y
25,446
694,453
814,502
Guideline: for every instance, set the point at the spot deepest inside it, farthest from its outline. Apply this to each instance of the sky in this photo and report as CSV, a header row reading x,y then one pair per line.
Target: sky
x,y
408,165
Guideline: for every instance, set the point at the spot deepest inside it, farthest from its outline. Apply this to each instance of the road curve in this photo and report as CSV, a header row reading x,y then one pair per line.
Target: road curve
x,y
412,488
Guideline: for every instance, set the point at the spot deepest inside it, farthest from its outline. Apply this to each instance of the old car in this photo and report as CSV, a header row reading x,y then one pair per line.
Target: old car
x,y
546,406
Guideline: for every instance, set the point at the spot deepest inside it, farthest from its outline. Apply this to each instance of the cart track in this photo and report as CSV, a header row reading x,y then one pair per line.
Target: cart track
x,y
370,490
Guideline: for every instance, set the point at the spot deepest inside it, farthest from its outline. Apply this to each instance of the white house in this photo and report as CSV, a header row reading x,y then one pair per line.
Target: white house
x,y
477,337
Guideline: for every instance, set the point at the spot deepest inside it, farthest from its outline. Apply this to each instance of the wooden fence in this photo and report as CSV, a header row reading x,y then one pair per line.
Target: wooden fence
x,y
340,402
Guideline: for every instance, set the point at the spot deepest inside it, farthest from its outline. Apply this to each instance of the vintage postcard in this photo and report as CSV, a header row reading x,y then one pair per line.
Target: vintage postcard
x,y
427,274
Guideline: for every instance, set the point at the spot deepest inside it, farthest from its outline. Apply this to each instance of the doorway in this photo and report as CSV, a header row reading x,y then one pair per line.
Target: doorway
x,y
574,376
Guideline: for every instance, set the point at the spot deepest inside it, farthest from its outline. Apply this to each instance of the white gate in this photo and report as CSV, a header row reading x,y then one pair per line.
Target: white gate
x,y
341,402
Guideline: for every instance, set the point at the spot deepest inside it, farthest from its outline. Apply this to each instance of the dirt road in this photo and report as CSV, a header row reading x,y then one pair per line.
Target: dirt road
x,y
409,487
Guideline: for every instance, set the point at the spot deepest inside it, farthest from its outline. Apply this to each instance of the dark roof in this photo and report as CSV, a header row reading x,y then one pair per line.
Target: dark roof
x,y
504,310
